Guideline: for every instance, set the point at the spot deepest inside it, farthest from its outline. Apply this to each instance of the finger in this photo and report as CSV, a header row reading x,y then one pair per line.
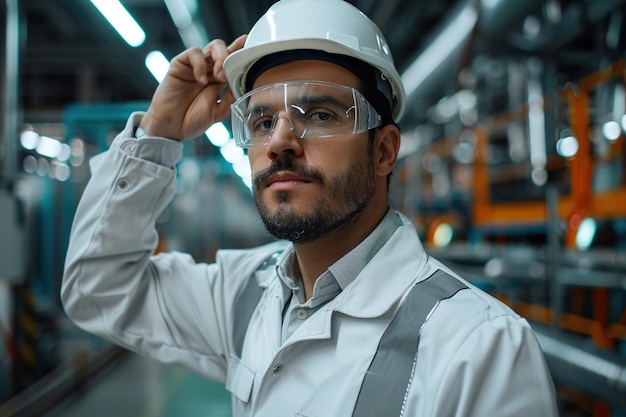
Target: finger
x,y
211,45
198,65
237,44
219,51
216,52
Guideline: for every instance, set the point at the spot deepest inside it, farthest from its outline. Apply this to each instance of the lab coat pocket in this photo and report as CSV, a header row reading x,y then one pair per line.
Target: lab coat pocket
x,y
240,378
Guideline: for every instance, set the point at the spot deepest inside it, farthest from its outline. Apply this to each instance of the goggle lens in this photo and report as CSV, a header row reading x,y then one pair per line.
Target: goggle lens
x,y
311,109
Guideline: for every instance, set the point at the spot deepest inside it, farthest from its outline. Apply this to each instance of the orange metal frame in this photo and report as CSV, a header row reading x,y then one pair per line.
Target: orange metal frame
x,y
603,334
573,208
582,202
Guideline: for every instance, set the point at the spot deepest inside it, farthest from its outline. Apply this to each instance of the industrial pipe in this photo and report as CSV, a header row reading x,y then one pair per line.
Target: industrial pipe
x,y
9,110
576,365
473,25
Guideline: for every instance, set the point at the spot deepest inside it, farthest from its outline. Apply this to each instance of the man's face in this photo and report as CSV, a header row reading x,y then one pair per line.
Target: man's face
x,y
307,188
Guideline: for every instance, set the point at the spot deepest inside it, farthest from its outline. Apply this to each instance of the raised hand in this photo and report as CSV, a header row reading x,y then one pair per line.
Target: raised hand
x,y
194,93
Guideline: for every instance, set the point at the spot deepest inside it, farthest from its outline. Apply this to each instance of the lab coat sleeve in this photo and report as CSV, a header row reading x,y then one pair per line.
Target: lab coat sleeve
x,y
499,371
166,306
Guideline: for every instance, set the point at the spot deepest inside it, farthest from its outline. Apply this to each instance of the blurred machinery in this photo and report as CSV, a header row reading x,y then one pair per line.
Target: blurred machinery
x,y
53,171
518,180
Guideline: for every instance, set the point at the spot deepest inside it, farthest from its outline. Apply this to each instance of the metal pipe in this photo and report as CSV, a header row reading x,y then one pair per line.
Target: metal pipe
x,y
435,68
554,253
573,364
497,17
9,112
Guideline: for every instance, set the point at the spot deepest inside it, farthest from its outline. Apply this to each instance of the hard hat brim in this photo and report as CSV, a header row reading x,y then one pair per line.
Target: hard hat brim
x,y
237,65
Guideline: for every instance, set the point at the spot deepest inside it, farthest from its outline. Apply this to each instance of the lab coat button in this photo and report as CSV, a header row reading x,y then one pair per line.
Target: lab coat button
x,y
130,147
276,369
302,314
123,185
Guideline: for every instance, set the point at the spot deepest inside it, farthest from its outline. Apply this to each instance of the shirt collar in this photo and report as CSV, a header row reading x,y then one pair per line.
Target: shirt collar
x,y
346,269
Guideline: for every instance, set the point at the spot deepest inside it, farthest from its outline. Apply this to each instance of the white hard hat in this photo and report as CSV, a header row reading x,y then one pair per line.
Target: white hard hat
x,y
331,26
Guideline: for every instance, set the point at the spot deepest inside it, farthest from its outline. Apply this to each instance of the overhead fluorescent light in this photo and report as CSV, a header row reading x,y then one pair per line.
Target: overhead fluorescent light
x,y
122,21
157,64
180,14
48,147
231,152
184,16
194,35
218,134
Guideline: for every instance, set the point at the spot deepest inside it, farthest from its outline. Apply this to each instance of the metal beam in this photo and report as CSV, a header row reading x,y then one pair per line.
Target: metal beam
x,y
576,364
10,87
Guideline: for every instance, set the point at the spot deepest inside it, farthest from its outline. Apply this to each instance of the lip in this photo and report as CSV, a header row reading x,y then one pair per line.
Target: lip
x,y
286,180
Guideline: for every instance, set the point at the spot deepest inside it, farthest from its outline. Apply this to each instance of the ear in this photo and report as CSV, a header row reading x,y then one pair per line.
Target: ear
x,y
386,148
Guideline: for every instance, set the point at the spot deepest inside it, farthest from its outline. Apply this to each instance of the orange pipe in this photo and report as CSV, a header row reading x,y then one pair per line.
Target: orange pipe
x,y
582,202
580,172
600,334
601,410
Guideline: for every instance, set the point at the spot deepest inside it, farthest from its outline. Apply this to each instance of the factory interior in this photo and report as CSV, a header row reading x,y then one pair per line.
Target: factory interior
x,y
512,166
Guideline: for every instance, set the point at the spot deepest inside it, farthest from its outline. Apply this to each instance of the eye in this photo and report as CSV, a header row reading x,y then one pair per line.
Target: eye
x,y
324,115
263,125
321,116
258,124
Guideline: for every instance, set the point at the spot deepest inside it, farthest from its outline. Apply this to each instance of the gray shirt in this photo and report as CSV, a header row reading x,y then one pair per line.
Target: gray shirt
x,y
334,280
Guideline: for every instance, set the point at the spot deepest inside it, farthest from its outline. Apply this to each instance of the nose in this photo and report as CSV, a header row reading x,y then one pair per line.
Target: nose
x,y
283,140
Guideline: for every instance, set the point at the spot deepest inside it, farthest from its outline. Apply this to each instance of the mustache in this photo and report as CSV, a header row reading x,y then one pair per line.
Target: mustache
x,y
287,165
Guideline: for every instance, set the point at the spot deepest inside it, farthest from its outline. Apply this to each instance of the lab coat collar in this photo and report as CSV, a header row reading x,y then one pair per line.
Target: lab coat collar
x,y
387,275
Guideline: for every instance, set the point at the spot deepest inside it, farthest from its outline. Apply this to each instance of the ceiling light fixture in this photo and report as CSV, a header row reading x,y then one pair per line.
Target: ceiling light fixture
x,y
122,21
184,15
179,12
157,64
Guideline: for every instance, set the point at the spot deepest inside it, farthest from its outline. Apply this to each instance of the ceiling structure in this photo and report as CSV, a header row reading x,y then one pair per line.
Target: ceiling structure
x,y
70,54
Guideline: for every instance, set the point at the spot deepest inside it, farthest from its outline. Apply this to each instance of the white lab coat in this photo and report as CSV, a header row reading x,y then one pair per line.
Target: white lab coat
x,y
476,357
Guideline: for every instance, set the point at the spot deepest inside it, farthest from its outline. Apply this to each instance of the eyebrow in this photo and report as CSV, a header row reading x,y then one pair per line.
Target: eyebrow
x,y
258,109
323,99
261,108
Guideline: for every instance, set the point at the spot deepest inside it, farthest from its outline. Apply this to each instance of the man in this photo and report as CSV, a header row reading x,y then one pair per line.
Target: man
x,y
345,314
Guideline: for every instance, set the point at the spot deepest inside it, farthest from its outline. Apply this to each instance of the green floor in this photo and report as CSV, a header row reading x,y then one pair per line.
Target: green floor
x,y
139,387
192,396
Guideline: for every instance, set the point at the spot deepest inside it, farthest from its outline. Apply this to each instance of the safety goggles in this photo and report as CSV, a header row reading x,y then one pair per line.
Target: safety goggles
x,y
311,109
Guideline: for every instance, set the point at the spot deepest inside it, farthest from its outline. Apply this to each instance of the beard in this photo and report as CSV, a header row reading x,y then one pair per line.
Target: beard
x,y
343,199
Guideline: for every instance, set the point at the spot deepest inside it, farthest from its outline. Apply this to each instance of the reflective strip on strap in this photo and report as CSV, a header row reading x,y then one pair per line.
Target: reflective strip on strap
x,y
388,378
247,302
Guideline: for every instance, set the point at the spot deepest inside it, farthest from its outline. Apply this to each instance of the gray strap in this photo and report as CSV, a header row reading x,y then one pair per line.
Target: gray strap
x,y
247,302
388,378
